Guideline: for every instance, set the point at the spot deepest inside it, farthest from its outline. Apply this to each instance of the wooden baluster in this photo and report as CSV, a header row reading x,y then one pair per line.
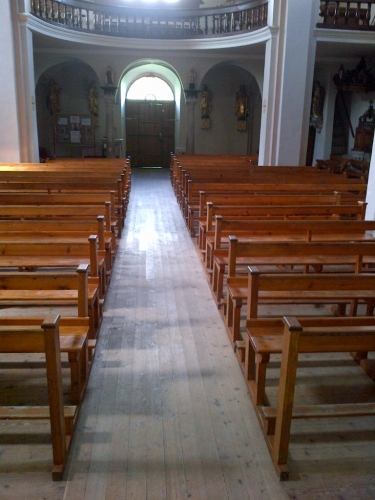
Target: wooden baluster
x,y
326,13
59,12
347,12
367,18
265,14
358,13
336,13
88,12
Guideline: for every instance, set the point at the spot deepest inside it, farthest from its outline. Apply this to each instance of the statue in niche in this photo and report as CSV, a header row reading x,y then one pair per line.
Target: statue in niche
x,y
109,76
242,103
317,101
92,95
53,97
205,104
242,108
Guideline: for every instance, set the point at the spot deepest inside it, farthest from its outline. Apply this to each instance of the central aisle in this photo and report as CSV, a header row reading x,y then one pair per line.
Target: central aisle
x,y
166,414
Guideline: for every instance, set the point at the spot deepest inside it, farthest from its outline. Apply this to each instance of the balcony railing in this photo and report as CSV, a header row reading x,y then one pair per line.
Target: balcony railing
x,y
347,15
168,23
153,23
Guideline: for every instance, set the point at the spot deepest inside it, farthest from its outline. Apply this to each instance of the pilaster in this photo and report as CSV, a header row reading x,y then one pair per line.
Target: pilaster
x,y
110,92
191,99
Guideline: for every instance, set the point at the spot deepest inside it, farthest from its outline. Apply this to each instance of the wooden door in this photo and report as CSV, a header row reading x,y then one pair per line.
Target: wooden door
x,y
149,132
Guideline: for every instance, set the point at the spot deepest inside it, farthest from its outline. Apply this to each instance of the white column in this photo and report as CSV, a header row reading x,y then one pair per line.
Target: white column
x,y
191,98
9,127
370,198
288,75
110,99
23,60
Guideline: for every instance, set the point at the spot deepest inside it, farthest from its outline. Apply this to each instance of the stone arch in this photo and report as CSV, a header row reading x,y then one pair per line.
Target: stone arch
x,y
158,68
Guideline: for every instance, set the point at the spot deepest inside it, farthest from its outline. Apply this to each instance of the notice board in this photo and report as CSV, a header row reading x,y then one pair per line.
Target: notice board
x,y
74,129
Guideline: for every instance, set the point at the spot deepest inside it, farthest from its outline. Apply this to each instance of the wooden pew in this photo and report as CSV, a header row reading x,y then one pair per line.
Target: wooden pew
x,y
311,288
32,173
48,288
277,199
239,288
62,186
264,334
35,253
44,338
48,212
114,213
282,230
74,341
311,336
102,262
194,189
66,228
192,205
264,338
279,253
265,210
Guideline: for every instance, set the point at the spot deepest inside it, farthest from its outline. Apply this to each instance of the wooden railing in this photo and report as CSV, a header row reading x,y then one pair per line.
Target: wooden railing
x,y
167,23
152,22
347,15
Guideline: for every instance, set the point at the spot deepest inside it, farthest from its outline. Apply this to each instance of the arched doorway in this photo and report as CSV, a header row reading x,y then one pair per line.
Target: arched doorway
x,y
150,122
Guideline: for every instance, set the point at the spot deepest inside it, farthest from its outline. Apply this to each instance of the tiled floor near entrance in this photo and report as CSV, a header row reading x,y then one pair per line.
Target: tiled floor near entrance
x,y
166,413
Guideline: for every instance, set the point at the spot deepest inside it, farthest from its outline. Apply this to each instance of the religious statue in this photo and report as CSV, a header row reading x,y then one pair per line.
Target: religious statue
x,y
242,108
205,104
192,78
92,95
317,100
317,103
109,76
53,97
359,79
242,103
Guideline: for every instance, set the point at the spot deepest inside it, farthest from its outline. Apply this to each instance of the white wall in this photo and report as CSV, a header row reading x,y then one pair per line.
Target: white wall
x,y
10,147
370,211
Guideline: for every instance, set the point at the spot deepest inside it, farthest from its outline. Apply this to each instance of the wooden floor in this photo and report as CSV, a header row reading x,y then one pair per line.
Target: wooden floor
x,y
166,414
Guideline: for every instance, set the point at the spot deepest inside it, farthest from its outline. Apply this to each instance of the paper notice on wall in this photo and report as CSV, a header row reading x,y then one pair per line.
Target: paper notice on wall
x,y
62,120
75,136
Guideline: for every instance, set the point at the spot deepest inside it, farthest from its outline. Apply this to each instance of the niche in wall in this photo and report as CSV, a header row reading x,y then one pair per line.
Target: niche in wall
x,y
73,78
223,136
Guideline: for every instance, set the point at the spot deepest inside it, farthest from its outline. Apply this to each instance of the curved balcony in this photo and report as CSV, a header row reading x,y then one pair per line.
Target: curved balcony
x,y
153,23
182,23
